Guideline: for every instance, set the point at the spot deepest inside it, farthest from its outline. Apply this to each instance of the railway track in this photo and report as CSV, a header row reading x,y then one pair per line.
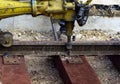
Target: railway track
x,y
73,69
59,48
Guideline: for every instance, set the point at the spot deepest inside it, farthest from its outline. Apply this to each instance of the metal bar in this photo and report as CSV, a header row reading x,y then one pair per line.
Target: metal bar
x,y
17,42
14,74
59,48
54,30
74,73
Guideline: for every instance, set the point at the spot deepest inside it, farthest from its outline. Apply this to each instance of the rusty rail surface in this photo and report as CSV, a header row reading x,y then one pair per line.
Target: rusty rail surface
x,y
59,48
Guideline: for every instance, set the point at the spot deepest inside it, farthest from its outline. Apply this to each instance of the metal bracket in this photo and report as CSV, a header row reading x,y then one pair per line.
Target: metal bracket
x,y
11,60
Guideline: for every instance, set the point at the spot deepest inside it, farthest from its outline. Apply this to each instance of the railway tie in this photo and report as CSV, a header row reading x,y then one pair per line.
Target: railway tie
x,y
76,72
13,70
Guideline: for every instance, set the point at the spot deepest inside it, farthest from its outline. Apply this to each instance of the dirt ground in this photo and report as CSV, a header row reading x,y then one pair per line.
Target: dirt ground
x,y
42,70
104,69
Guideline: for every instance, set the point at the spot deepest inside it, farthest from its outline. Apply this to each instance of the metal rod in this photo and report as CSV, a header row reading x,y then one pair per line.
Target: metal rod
x,y
54,30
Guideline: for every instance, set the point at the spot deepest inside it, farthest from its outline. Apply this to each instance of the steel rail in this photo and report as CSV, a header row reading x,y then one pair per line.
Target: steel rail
x,y
59,48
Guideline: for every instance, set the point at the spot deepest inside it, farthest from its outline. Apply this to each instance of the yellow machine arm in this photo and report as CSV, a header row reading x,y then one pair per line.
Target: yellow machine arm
x,y
67,10
58,9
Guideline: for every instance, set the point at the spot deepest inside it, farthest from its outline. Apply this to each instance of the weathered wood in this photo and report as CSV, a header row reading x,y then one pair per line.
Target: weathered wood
x,y
14,74
76,73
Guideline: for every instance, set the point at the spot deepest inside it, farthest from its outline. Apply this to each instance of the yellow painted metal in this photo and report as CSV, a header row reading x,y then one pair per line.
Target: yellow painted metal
x,y
56,9
69,28
13,8
9,0
50,7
